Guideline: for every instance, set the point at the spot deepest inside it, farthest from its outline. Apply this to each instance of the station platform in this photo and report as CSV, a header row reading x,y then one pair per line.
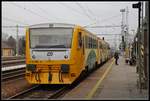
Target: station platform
x,y
112,82
13,67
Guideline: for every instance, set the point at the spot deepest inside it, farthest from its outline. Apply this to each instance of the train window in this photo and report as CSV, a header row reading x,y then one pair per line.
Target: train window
x,y
96,43
85,41
80,40
93,43
51,37
89,42
100,45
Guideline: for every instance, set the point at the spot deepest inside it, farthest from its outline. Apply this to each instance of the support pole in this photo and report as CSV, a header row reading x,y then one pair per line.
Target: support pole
x,y
17,45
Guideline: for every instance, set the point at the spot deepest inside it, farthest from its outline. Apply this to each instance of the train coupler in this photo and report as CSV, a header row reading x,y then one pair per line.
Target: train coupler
x,y
49,77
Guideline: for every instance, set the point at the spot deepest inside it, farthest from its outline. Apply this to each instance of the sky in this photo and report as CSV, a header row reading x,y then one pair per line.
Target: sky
x,y
81,13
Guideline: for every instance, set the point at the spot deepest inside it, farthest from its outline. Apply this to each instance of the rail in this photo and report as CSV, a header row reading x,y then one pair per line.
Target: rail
x,y
40,93
12,58
12,74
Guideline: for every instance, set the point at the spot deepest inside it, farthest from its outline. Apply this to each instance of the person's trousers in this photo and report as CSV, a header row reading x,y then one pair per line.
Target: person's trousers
x,y
116,61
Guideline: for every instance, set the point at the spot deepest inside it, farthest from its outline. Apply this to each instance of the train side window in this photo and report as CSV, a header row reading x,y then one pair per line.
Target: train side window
x,y
96,43
91,42
85,41
101,46
88,42
80,40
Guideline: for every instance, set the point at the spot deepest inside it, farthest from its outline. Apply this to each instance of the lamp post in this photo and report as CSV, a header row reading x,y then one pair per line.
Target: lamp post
x,y
138,5
122,29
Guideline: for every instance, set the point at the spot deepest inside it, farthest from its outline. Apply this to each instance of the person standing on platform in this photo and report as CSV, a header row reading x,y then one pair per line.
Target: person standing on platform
x,y
116,56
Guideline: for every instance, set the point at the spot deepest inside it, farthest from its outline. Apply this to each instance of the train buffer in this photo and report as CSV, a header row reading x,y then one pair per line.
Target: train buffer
x,y
110,81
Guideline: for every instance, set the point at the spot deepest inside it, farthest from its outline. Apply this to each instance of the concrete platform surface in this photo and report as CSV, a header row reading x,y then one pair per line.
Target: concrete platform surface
x,y
119,83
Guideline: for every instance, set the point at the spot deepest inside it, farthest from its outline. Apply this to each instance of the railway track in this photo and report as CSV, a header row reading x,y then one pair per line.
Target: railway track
x,y
13,74
42,92
11,61
12,58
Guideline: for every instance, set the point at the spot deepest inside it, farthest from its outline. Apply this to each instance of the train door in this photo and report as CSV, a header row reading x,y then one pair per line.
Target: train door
x,y
100,52
81,48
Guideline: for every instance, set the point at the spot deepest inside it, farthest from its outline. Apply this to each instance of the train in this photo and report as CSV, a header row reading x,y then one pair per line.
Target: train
x,y
58,53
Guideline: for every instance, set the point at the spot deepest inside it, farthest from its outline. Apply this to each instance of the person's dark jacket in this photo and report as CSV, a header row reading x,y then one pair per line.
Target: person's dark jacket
x,y
116,55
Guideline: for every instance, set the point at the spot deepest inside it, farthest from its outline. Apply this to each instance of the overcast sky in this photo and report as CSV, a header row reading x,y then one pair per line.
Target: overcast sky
x,y
81,13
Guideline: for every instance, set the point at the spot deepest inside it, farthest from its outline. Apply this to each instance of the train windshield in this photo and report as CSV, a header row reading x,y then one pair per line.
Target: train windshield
x,y
51,37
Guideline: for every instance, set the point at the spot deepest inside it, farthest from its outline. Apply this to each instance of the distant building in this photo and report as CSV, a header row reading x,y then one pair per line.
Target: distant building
x,y
7,50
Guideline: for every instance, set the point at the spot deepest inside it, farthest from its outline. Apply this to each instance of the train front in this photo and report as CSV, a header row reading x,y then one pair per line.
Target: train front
x,y
48,53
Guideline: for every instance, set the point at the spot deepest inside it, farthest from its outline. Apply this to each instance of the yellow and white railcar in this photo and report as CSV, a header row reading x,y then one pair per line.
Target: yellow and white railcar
x,y
58,53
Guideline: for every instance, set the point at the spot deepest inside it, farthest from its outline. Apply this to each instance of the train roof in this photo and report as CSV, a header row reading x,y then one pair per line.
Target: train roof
x,y
63,25
46,25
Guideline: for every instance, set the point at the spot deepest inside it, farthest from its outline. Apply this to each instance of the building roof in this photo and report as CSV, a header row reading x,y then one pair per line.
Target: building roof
x,y
5,45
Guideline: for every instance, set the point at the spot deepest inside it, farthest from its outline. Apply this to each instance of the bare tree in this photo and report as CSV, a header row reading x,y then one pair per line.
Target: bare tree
x,y
12,42
22,45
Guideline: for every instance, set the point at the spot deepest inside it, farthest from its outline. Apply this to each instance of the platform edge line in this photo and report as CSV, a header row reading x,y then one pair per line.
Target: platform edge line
x,y
89,96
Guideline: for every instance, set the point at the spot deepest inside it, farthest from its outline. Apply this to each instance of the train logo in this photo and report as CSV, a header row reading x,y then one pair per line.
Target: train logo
x,y
49,53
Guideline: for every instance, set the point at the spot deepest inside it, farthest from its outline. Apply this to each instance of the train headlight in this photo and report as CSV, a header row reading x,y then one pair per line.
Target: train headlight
x,y
31,67
66,56
33,56
65,68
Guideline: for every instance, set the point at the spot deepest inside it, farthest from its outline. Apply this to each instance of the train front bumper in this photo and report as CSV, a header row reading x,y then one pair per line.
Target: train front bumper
x,y
48,74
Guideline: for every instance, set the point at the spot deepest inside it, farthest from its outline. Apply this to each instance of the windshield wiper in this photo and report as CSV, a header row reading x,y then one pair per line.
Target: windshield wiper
x,y
48,46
